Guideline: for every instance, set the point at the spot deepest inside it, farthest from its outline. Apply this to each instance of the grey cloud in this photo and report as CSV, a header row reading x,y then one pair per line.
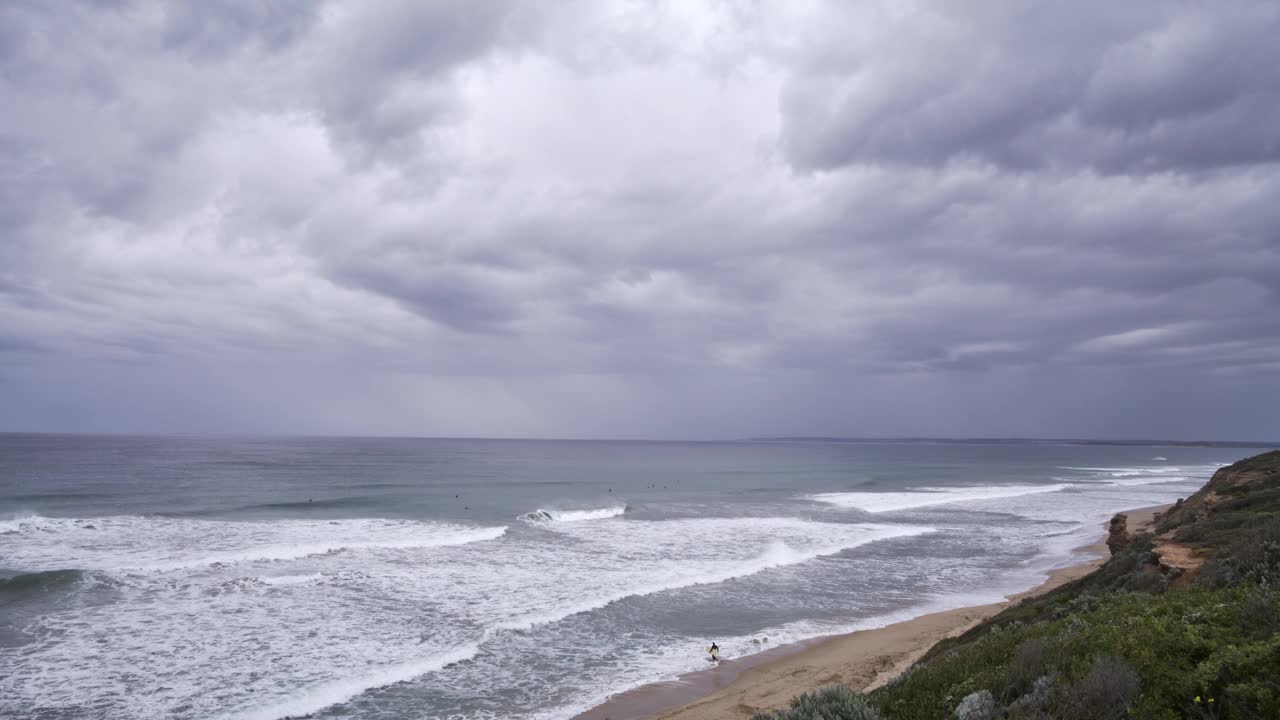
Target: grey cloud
x,y
215,28
385,75
457,297
1012,290
17,344
464,218
1112,87
93,121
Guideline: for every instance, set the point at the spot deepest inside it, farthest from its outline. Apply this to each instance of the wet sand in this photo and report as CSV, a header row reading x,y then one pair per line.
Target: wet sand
x,y
863,660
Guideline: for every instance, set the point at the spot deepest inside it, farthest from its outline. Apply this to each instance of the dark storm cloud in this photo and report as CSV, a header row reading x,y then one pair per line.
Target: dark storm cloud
x,y
14,345
456,297
213,29
660,219
383,77
1115,87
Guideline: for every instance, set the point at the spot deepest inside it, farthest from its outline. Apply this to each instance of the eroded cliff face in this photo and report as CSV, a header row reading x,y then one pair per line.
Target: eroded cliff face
x,y
1176,554
1118,533
1203,525
1256,473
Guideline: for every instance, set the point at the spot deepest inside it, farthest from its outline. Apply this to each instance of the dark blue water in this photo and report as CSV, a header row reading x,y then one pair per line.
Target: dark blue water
x,y
384,578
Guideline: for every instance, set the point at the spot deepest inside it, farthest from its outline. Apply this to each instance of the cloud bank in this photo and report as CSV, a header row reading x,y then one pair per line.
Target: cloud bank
x,y
640,219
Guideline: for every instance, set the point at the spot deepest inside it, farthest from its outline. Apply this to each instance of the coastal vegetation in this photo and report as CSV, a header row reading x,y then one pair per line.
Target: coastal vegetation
x,y
1183,621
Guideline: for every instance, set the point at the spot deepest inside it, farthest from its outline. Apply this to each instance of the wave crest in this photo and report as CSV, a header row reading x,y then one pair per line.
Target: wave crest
x,y
873,502
288,579
47,581
776,554
18,523
311,700
135,542
301,550
541,515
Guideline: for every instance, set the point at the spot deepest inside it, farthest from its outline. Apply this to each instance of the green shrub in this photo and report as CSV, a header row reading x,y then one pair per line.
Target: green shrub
x,y
1259,614
980,705
1159,653
1121,643
836,702
1250,556
1033,660
1037,702
1104,693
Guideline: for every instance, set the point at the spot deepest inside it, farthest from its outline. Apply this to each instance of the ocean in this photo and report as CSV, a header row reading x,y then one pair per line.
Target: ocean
x,y
258,579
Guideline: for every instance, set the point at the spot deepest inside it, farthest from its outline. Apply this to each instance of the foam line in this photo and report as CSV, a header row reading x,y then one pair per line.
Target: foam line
x,y
315,698
777,554
289,579
152,543
1128,471
541,515
18,523
1149,480
925,497
301,550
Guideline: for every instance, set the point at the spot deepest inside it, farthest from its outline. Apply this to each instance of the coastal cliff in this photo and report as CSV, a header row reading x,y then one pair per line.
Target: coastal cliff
x,y
1183,621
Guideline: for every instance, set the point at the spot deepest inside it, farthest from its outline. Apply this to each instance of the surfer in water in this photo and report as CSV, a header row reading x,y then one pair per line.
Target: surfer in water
x,y
714,652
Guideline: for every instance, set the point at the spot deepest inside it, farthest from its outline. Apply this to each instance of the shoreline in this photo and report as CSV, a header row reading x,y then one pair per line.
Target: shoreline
x,y
863,659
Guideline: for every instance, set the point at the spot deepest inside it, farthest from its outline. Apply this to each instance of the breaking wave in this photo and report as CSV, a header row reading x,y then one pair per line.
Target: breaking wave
x,y
924,497
156,543
1127,481
23,584
1130,476
301,550
778,554
18,523
541,515
1128,471
289,579
313,699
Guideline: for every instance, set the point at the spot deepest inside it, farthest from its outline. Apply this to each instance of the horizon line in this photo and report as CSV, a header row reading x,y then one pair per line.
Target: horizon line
x,y
904,439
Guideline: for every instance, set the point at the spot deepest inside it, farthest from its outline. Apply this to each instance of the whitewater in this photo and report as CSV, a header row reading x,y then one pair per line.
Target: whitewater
x,y
481,579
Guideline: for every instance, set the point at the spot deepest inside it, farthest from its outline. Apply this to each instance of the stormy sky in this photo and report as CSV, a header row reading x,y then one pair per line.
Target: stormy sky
x,y
641,219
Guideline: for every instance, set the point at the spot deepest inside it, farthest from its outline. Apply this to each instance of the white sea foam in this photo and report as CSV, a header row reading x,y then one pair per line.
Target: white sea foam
x,y
1128,471
19,522
202,649
290,579
300,550
1154,475
684,575
312,699
927,496
130,542
541,515
1125,481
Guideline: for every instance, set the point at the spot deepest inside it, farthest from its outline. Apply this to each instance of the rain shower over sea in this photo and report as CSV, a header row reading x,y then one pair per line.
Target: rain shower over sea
x,y
398,578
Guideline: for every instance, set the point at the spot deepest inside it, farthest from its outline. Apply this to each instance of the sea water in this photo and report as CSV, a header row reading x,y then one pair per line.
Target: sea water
x,y
388,578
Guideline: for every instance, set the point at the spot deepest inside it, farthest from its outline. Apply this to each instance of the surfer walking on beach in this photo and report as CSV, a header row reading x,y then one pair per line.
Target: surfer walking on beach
x,y
714,651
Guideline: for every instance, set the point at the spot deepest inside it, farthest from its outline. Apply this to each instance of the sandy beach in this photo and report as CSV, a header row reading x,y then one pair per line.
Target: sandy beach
x,y
863,660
